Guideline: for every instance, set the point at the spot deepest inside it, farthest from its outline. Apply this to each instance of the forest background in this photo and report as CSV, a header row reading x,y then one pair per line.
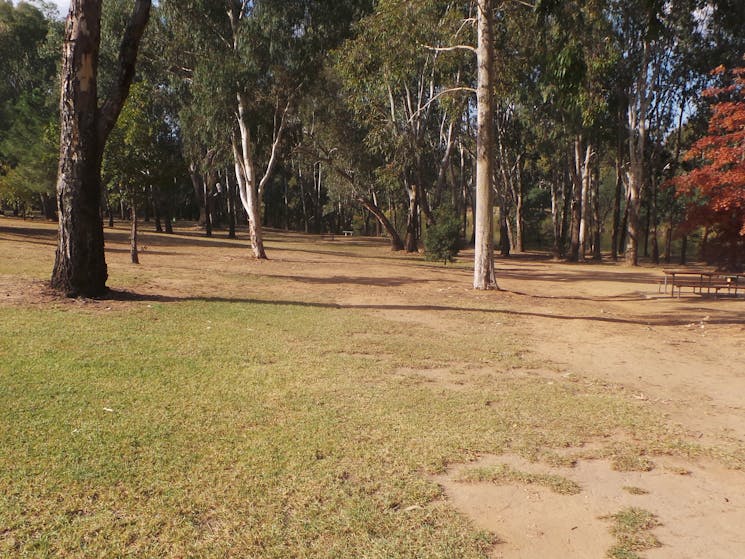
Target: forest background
x,y
361,116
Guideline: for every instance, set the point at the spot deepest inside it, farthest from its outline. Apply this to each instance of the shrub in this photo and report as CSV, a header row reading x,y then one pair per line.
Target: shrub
x,y
442,238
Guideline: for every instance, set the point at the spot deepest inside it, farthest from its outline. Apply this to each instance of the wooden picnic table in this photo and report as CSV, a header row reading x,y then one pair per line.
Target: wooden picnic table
x,y
701,278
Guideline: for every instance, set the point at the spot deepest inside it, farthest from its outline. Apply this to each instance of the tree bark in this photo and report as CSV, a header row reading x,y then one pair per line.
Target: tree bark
x,y
617,206
637,120
597,229
577,184
370,206
483,270
584,202
80,264
246,173
230,197
555,221
410,240
133,235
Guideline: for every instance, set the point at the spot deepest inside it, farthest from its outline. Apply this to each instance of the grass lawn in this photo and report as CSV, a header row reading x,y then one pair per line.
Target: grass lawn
x,y
219,428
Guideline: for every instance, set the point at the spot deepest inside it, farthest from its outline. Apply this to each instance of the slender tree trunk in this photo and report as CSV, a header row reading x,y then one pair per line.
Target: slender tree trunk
x,y
197,183
624,226
133,235
598,229
505,240
647,222
109,211
247,181
369,205
230,196
555,221
168,219
704,243
483,271
637,119
155,198
669,240
684,250
577,185
584,202
655,242
207,206
519,218
616,208
410,240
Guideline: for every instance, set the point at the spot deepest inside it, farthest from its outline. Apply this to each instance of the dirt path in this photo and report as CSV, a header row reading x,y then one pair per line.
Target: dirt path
x,y
597,322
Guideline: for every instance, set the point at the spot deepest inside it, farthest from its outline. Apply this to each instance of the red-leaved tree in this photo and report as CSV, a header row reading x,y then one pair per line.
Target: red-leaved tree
x,y
716,185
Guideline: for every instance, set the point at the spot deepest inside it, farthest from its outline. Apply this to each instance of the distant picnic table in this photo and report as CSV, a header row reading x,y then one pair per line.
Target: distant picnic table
x,y
705,280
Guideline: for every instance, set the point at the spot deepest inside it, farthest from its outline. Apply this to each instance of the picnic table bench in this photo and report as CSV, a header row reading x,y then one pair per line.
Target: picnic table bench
x,y
701,279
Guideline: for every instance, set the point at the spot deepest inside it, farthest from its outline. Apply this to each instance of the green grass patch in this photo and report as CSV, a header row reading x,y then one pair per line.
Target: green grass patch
x,y
632,528
504,474
217,428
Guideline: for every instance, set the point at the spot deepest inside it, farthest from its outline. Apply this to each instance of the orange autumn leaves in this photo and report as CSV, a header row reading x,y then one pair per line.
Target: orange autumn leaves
x,y
717,183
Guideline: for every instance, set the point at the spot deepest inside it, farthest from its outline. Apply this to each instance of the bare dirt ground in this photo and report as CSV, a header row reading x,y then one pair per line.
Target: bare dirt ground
x,y
600,323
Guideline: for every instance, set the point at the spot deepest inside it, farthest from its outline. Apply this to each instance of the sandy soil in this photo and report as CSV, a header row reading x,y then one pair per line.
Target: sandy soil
x,y
601,323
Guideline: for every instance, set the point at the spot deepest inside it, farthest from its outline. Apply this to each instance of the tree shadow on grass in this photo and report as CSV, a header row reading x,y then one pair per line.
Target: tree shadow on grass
x,y
659,319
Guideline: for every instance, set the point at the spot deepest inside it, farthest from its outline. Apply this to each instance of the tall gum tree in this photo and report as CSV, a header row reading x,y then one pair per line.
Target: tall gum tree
x,y
483,270
85,124
256,59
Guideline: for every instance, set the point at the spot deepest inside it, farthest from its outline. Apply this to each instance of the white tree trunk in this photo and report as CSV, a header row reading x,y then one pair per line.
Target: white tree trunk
x,y
483,270
585,203
639,102
248,187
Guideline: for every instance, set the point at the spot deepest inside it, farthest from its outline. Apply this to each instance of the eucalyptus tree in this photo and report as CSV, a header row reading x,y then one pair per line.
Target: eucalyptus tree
x,y
484,276
656,39
30,40
393,78
255,58
333,139
576,63
85,124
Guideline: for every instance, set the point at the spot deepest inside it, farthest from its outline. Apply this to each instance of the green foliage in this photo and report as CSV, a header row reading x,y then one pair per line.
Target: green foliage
x,y
29,50
442,239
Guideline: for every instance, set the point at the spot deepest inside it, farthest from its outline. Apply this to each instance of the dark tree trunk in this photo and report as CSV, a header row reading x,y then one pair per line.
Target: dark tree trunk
x,y
197,183
155,197
230,196
369,205
655,241
624,223
207,207
576,173
668,242
47,206
80,264
133,236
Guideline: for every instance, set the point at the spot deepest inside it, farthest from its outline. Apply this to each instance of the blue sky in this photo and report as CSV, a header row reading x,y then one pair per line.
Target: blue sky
x,y
62,6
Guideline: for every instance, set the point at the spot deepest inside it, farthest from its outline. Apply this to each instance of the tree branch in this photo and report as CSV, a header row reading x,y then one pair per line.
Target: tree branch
x,y
450,48
440,94
109,111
